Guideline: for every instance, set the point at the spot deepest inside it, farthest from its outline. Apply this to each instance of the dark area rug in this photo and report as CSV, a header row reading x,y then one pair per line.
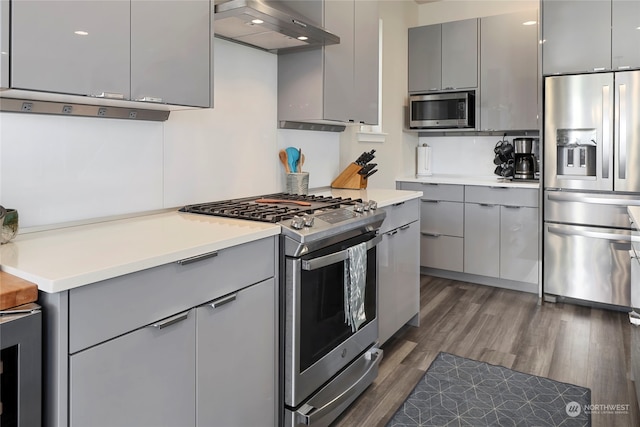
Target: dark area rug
x,y
456,391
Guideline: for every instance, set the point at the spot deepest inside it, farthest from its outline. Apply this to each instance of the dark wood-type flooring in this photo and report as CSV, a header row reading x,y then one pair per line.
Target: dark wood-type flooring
x,y
565,342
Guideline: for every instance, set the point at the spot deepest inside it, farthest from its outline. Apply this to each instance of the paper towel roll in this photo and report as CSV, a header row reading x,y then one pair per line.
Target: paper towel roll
x,y
424,161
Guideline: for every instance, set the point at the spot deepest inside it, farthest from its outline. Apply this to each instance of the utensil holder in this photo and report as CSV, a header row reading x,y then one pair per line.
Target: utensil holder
x,y
9,226
298,183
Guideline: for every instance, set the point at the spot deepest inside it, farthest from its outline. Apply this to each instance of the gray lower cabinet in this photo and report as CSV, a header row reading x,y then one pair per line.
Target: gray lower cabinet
x,y
509,71
625,37
441,224
482,239
236,359
143,378
399,269
189,343
501,233
130,50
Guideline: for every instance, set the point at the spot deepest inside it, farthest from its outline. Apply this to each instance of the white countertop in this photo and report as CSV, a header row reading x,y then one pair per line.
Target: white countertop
x,y
61,259
65,258
471,180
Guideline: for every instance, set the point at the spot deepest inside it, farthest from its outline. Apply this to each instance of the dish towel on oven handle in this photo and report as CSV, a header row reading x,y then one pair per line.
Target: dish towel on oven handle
x,y
355,282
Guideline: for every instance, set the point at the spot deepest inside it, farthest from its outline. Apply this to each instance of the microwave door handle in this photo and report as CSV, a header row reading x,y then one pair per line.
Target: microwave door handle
x,y
622,131
323,261
606,131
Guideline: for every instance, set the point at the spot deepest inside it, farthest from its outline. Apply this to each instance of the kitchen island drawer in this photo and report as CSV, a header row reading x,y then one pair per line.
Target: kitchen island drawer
x,y
506,196
442,252
103,310
435,191
439,217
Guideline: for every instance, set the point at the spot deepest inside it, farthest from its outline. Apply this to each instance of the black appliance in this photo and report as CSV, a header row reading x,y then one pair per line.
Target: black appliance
x,y
328,286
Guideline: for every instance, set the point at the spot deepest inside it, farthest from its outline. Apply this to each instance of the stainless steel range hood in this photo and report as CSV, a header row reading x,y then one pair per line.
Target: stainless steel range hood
x,y
258,23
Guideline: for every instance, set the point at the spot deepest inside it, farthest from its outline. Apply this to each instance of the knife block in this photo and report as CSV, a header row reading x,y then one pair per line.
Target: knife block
x,y
350,179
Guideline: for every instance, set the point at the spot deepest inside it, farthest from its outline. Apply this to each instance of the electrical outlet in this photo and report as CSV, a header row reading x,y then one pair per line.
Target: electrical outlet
x,y
102,112
132,114
27,106
67,109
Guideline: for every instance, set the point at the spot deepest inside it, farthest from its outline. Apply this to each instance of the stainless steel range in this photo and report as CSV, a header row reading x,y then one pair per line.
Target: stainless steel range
x,y
329,287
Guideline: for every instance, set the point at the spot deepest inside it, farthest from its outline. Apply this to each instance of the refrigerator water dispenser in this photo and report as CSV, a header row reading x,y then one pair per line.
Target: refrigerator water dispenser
x,y
576,152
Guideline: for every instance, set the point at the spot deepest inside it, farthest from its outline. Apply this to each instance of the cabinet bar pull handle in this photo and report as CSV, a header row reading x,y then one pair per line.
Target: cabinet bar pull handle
x,y
429,183
222,301
404,227
599,69
110,95
487,205
171,320
430,201
197,258
499,188
512,207
149,99
424,233
398,204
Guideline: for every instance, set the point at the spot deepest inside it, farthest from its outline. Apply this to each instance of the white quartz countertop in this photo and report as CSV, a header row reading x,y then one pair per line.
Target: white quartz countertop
x,y
65,258
482,180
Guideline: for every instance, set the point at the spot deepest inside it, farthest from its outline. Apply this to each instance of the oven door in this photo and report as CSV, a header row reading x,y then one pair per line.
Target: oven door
x,y
319,342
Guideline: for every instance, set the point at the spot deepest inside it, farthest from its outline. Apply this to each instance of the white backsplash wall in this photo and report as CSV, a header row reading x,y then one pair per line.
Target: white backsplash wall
x,y
57,169
464,155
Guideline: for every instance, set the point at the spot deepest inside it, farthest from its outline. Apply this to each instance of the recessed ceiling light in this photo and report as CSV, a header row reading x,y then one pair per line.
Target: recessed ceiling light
x,y
257,21
530,23
81,33
303,38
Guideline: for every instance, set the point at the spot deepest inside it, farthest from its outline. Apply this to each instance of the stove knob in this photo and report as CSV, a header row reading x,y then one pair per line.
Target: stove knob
x,y
297,223
359,207
308,220
373,205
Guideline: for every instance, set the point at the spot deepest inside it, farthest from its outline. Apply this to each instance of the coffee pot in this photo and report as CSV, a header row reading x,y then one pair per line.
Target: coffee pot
x,y
524,159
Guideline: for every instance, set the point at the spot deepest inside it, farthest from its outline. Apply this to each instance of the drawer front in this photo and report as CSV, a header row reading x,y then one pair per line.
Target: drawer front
x,y
110,308
439,217
507,196
434,191
400,214
443,252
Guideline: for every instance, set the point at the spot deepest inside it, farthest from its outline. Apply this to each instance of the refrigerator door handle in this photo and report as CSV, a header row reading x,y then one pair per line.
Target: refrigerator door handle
x,y
622,131
606,131
587,198
613,237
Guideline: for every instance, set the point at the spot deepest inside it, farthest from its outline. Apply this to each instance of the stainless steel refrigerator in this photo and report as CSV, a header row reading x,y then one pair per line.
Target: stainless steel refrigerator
x,y
591,174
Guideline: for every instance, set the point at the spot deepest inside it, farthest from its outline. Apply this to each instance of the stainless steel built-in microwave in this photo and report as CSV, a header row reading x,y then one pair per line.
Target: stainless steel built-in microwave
x,y
450,110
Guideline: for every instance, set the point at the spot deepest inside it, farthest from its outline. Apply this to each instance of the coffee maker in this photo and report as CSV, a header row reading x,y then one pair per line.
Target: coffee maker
x,y
524,159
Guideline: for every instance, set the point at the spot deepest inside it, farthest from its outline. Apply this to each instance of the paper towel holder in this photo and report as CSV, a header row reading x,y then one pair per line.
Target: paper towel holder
x,y
423,161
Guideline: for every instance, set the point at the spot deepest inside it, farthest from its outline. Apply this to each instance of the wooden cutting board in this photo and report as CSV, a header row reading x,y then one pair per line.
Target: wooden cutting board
x,y
15,291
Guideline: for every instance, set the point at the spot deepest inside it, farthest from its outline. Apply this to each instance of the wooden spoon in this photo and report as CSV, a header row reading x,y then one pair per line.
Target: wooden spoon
x,y
300,162
284,160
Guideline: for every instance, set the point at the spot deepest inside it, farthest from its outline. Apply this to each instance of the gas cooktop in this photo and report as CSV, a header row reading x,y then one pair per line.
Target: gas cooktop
x,y
270,208
305,219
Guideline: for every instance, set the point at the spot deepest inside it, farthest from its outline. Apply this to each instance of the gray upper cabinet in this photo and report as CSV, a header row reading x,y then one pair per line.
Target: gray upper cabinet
x,y
130,50
443,56
170,57
509,72
625,36
576,36
425,53
79,48
337,82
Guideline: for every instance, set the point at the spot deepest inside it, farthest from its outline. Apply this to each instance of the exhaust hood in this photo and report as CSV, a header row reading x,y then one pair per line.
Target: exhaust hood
x,y
259,24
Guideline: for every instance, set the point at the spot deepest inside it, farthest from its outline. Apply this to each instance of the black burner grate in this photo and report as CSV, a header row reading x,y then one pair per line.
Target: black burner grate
x,y
247,208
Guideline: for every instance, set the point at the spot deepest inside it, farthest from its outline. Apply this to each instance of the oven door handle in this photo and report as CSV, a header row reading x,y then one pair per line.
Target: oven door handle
x,y
323,261
308,414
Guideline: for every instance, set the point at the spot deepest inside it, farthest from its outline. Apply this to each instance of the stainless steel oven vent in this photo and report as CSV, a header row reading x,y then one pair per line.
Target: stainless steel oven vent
x,y
258,24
